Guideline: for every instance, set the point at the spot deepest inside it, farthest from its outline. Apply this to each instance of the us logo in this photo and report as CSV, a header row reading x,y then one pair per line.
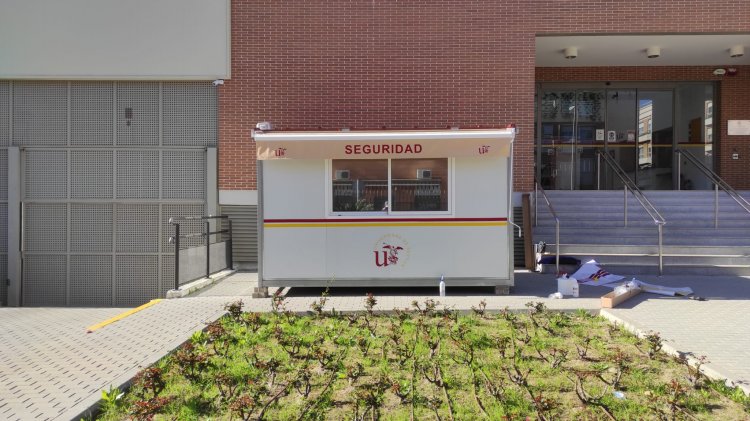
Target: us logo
x,y
391,250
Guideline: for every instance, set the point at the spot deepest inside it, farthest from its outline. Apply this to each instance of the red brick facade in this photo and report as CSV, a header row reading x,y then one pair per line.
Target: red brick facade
x,y
433,64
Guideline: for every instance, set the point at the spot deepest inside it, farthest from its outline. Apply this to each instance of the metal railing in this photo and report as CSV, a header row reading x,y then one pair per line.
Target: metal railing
x,y
719,183
206,235
538,188
629,185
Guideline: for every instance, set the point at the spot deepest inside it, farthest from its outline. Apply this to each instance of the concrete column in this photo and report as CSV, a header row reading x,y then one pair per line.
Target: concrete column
x,y
14,227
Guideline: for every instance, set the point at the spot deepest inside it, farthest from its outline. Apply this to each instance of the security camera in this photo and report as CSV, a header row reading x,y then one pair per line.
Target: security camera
x,y
264,126
218,82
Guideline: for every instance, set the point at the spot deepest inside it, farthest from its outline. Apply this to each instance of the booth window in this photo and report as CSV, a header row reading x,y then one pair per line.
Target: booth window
x,y
396,185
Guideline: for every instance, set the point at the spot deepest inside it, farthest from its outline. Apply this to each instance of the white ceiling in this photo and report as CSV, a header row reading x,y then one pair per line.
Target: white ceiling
x,y
630,50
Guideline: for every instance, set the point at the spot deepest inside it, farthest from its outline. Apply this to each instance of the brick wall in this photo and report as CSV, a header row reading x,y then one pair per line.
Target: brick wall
x,y
402,64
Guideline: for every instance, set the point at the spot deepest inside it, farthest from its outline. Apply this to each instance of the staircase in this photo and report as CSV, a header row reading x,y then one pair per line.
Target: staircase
x,y
591,226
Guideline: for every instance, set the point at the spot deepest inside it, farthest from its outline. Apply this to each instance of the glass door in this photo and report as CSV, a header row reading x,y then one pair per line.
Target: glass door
x,y
620,134
557,147
589,136
655,137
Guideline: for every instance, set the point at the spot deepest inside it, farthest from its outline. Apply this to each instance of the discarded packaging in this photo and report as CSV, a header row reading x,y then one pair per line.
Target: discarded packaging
x,y
554,296
567,286
611,300
618,395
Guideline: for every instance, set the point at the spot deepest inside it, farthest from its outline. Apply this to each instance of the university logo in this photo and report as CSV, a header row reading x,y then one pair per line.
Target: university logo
x,y
484,149
279,152
391,250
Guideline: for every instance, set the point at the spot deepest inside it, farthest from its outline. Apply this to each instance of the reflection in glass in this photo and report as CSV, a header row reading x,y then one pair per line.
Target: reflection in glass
x,y
419,184
359,185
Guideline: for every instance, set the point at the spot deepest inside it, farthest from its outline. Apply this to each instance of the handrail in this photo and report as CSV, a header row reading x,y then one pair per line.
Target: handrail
x,y
206,234
537,188
628,184
714,178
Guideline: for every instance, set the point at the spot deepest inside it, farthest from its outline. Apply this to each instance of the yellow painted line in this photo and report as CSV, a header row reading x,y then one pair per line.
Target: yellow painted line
x,y
391,224
121,316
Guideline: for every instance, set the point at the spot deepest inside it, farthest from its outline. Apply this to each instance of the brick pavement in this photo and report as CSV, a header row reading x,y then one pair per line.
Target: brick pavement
x,y
52,369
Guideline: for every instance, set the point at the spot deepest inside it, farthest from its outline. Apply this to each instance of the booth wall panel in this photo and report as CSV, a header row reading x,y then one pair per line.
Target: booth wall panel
x,y
294,189
479,190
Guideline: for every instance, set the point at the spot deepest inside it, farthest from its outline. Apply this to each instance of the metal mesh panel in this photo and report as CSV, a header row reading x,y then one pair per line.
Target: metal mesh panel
x,y
3,174
40,113
90,280
44,280
186,227
137,228
184,174
91,174
167,273
91,227
45,226
4,113
46,175
136,280
3,230
138,113
3,276
189,113
91,113
138,174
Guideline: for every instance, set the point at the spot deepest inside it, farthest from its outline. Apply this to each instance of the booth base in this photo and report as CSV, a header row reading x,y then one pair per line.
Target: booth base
x,y
501,286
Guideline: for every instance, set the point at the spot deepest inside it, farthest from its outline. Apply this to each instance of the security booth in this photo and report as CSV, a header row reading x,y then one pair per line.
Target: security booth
x,y
385,208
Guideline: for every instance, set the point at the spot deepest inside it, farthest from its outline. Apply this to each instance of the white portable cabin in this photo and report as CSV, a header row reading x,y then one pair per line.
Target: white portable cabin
x,y
385,208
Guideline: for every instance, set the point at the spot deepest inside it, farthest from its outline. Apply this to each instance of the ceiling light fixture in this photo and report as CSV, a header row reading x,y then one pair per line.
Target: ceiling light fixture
x,y
571,52
653,52
737,51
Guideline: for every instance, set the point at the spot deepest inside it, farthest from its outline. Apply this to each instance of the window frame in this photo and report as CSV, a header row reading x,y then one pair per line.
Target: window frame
x,y
389,212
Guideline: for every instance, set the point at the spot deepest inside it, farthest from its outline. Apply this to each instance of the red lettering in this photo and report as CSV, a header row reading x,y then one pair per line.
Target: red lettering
x,y
408,149
357,149
386,148
367,149
348,149
417,148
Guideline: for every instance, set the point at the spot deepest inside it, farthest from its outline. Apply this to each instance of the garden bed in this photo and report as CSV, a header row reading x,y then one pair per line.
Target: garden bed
x,y
425,362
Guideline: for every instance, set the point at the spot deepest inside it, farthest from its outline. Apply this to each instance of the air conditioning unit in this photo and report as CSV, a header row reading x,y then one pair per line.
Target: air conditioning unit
x,y
423,173
342,174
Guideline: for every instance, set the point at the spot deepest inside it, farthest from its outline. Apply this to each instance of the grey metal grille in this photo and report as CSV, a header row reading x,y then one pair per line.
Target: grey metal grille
x,y
44,280
3,231
136,279
91,228
137,228
101,176
3,174
167,273
4,113
46,175
138,174
184,174
45,227
3,275
91,174
40,113
189,114
91,113
90,280
137,113
244,232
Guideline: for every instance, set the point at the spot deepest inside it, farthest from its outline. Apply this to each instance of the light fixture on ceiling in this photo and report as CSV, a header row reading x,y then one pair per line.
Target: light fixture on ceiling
x,y
737,51
571,52
653,52
720,72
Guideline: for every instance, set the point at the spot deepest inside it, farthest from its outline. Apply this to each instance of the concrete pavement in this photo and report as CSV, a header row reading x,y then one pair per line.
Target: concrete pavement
x,y
52,369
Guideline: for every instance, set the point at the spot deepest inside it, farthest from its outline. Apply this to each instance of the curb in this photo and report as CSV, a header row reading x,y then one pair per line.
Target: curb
x,y
199,284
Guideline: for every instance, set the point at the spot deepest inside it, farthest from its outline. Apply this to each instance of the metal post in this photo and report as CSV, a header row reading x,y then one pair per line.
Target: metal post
x,y
557,246
229,246
208,248
598,171
625,190
661,269
176,256
679,170
716,205
536,207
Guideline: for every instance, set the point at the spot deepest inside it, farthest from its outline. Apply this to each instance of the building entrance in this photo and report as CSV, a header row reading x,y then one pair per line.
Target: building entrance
x,y
639,125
